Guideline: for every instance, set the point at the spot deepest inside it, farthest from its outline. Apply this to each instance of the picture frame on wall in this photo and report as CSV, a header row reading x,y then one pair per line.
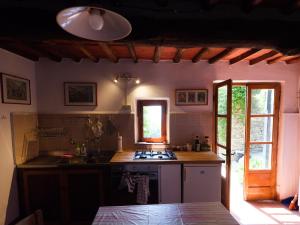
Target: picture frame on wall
x,y
15,89
191,97
80,94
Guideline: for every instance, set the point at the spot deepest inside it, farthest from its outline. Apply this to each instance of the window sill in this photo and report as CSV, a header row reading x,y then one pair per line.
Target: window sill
x,y
151,143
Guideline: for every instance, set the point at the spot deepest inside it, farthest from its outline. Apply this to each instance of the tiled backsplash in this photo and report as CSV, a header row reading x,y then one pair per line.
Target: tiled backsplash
x,y
183,128
75,129
57,130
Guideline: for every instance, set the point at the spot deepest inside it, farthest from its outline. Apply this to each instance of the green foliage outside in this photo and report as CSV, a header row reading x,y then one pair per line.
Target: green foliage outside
x,y
238,109
152,121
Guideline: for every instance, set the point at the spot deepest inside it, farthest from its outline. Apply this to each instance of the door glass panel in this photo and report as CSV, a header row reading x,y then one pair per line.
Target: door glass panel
x,y
222,100
262,101
261,129
221,130
238,121
222,155
260,156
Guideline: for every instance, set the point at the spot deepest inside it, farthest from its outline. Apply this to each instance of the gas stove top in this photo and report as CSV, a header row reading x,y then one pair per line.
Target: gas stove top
x,y
154,155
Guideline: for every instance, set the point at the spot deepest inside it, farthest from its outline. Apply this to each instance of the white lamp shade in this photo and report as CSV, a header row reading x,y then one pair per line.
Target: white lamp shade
x,y
77,21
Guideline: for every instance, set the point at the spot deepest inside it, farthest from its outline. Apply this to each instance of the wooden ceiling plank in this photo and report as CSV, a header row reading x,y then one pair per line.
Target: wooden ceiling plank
x,y
58,50
197,57
156,56
178,55
276,59
262,57
293,60
87,53
132,52
243,55
46,53
221,55
108,51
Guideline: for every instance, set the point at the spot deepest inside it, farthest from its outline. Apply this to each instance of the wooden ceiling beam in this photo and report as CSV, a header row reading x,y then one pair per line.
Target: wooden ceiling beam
x,y
220,56
276,59
198,55
263,57
178,55
45,52
243,56
156,55
87,53
20,52
108,51
293,60
132,52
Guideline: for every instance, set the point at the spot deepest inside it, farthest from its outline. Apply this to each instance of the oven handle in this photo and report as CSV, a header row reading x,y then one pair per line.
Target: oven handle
x,y
159,183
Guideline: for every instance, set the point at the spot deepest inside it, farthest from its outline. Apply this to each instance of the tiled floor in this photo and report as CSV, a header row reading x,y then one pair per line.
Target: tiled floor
x,y
263,213
259,213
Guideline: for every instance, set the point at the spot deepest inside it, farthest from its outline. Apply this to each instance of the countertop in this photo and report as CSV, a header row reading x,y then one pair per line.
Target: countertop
x,y
110,158
182,157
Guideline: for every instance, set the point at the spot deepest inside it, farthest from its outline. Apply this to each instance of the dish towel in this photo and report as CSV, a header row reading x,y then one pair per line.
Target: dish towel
x,y
142,182
143,191
128,181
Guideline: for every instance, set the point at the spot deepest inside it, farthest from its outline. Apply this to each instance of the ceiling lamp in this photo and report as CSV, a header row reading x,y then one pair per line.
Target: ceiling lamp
x,y
94,23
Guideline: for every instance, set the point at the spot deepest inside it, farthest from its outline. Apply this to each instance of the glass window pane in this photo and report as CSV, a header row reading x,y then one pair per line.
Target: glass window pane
x,y
238,121
221,130
260,156
262,101
222,155
152,117
261,129
222,100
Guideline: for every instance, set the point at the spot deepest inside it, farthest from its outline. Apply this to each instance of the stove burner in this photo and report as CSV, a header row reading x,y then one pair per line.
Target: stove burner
x,y
155,155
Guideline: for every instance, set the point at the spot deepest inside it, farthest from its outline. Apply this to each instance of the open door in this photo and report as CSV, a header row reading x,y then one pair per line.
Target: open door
x,y
222,137
261,141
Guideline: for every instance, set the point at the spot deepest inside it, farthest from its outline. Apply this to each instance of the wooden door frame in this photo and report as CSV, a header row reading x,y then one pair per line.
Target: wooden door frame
x,y
228,131
277,93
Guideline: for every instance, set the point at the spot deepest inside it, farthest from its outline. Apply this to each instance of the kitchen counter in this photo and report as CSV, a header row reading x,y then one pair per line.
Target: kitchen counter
x,y
64,162
117,158
182,157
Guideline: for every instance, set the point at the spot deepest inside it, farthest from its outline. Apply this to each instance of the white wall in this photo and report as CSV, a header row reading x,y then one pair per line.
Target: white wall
x,y
15,65
161,80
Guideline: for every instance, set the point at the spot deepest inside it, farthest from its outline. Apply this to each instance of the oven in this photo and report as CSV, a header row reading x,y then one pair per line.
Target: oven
x,y
122,196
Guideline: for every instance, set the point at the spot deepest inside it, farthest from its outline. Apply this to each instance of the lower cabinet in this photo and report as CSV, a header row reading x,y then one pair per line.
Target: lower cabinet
x,y
66,196
202,183
169,183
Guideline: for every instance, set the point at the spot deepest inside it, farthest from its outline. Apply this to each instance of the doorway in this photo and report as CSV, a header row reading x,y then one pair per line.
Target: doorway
x,y
252,126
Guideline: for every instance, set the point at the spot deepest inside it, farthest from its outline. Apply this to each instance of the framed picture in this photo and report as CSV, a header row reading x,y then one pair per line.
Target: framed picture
x,y
191,96
80,93
15,90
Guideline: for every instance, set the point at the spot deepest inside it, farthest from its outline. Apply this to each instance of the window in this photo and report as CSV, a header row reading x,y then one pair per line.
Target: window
x,y
152,121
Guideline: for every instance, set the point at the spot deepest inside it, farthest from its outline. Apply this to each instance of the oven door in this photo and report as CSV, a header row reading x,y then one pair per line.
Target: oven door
x,y
123,197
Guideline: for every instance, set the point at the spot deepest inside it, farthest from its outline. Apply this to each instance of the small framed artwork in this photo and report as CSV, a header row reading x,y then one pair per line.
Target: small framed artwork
x,y
191,96
80,93
15,90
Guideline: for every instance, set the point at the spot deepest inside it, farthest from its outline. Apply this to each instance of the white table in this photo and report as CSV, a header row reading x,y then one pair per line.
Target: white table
x,y
204,213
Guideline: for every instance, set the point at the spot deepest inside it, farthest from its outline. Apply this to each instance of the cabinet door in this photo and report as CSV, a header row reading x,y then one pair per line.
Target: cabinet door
x,y
201,183
83,194
42,191
170,183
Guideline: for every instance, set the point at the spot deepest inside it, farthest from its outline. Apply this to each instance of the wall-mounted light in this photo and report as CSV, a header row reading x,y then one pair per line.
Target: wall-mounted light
x,y
126,79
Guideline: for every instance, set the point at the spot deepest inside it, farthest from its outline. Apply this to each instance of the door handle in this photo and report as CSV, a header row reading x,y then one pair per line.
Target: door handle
x,y
226,154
